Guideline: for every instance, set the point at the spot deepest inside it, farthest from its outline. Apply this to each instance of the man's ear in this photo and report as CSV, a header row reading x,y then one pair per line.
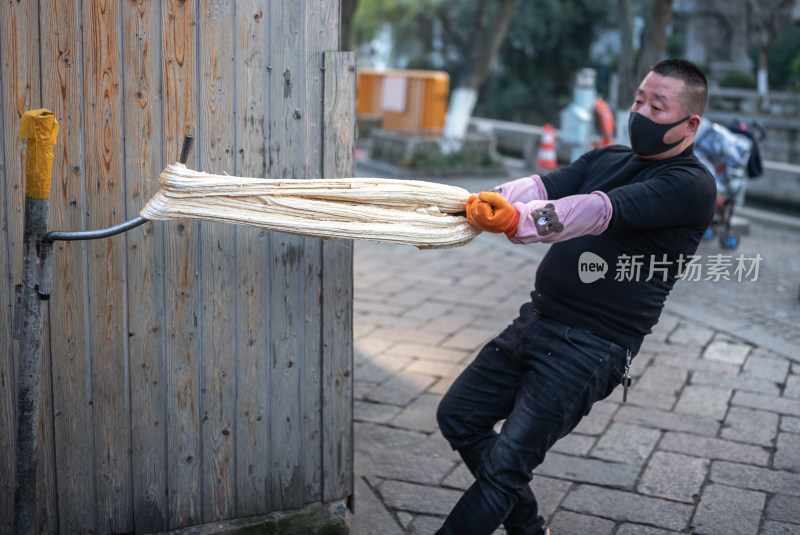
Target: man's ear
x,y
692,125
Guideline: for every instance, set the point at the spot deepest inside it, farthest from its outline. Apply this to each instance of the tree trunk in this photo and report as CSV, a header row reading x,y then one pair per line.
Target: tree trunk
x,y
767,18
488,39
654,38
348,11
487,43
625,67
763,78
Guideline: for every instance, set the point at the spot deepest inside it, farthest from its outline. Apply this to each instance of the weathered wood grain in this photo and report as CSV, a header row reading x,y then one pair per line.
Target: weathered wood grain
x,y
105,206
141,36
20,90
312,370
218,255
285,387
46,482
317,19
181,272
198,371
287,302
64,338
337,286
62,43
252,27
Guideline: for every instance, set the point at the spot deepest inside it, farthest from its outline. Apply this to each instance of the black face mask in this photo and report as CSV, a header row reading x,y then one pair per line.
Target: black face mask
x,y
647,136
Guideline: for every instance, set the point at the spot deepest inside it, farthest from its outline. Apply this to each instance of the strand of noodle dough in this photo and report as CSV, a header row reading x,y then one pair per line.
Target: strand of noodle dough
x,y
412,212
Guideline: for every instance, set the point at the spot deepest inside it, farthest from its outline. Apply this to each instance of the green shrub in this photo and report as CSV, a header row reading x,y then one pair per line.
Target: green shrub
x,y
739,80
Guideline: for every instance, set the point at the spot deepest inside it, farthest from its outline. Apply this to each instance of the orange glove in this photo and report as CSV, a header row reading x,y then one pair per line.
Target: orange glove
x,y
491,212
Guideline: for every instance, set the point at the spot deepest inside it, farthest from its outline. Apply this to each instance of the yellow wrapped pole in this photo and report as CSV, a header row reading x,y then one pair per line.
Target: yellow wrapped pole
x,y
40,128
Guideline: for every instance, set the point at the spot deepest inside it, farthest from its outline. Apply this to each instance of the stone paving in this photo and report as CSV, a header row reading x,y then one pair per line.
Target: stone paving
x,y
707,443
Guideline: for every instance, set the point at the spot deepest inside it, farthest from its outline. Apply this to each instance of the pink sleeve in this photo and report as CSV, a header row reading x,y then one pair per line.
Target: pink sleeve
x,y
554,221
525,189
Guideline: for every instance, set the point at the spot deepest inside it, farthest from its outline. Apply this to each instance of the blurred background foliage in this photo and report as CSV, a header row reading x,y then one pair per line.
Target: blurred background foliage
x,y
784,60
547,41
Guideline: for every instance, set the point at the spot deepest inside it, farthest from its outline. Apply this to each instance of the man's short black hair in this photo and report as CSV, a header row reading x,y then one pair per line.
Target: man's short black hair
x,y
695,88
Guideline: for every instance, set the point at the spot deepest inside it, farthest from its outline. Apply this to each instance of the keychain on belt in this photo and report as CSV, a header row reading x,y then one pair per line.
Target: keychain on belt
x,y
626,377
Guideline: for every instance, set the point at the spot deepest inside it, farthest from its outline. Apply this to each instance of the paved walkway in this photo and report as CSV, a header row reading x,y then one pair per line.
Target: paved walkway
x,y
708,442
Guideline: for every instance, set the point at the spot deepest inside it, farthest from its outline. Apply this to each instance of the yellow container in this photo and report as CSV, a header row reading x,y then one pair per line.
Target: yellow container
x,y
405,100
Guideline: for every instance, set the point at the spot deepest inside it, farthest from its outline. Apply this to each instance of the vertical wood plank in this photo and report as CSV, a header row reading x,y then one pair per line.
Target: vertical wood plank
x,y
61,52
181,268
145,265
287,302
22,88
312,370
20,91
7,375
321,20
105,191
7,379
218,257
62,92
46,489
337,285
286,351
252,265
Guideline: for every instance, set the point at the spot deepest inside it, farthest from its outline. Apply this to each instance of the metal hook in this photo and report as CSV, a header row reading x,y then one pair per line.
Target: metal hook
x,y
61,235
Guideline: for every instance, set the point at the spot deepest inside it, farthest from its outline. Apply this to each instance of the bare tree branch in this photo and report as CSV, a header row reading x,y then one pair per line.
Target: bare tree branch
x,y
487,43
625,68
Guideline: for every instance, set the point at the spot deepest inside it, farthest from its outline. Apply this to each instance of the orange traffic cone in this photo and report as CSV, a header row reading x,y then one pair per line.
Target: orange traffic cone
x,y
547,148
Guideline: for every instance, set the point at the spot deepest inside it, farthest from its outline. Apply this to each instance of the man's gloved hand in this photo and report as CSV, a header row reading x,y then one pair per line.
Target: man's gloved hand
x,y
489,211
